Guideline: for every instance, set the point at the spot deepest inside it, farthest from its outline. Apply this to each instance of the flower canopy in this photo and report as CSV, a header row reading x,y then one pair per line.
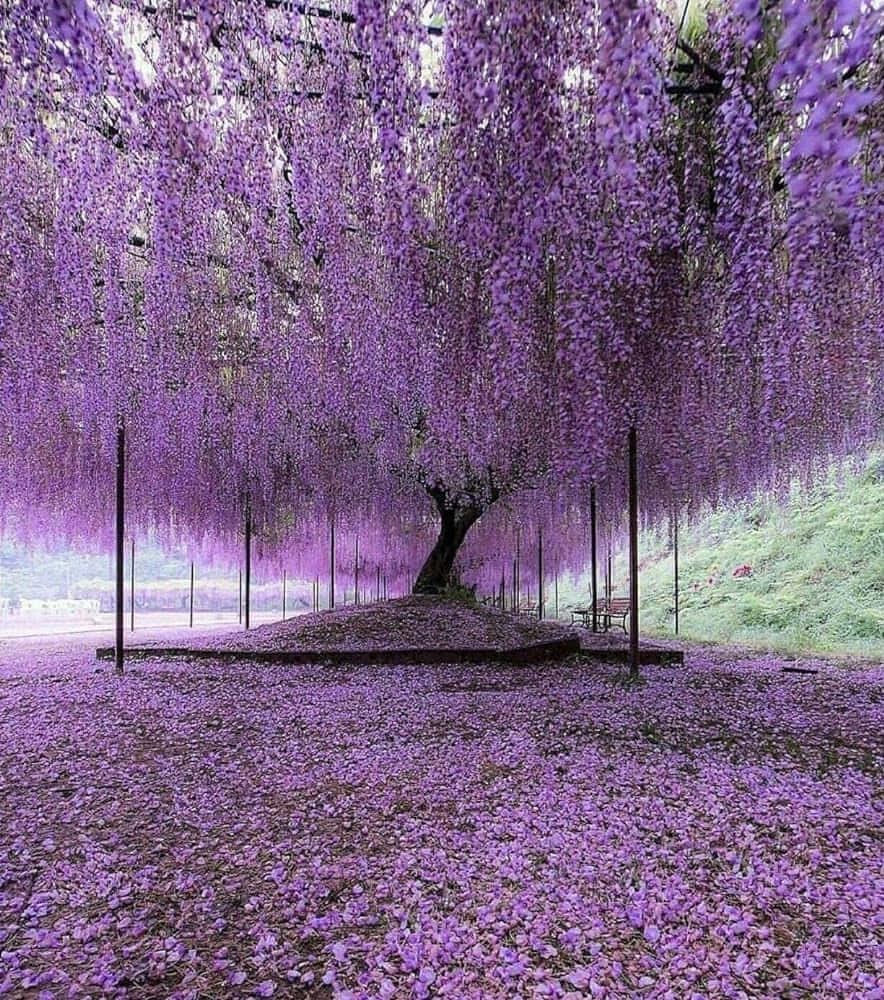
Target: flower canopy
x,y
328,259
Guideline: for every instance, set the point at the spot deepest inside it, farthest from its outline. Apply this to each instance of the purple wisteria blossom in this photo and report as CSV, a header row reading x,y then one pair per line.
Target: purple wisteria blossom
x,y
328,267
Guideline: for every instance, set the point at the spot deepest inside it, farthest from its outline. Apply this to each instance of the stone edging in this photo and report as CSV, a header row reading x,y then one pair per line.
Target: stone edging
x,y
551,650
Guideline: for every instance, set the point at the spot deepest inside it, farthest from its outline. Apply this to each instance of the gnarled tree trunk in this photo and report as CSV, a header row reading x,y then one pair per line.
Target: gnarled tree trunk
x,y
455,521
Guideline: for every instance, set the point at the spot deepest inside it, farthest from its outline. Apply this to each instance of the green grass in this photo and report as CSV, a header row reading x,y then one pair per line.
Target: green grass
x,y
817,582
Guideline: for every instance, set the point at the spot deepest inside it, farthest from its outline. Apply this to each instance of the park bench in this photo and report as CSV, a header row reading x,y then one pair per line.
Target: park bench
x,y
615,607
582,616
606,611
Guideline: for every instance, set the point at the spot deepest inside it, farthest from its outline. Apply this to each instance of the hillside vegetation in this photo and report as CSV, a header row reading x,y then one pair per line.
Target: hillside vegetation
x,y
815,579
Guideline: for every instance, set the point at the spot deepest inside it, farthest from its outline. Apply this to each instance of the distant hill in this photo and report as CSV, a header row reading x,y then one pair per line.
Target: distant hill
x,y
816,570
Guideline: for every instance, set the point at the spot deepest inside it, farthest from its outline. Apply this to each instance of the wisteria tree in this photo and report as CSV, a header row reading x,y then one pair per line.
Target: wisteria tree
x,y
361,261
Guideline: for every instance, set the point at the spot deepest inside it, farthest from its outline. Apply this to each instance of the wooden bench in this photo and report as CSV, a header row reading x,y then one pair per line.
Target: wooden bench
x,y
606,611
582,616
616,607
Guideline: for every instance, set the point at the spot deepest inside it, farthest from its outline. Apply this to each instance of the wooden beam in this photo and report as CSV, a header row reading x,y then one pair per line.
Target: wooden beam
x,y
306,10
692,90
699,61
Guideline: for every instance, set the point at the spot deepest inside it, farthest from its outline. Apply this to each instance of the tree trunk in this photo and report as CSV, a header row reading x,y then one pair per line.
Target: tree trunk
x,y
455,522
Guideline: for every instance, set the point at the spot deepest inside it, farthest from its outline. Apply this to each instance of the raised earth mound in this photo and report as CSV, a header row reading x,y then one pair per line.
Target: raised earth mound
x,y
416,627
414,622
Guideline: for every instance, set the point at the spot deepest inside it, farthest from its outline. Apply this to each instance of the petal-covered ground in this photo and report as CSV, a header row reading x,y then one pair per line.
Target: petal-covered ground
x,y
213,831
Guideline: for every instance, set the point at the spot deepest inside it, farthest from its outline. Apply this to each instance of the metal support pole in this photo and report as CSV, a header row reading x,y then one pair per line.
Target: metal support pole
x,y
540,573
191,595
593,543
556,584
331,577
248,586
283,595
675,564
356,575
633,554
132,589
120,544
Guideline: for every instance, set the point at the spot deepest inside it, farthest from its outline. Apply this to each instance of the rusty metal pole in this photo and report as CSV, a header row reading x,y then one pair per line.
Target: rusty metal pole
x,y
120,501
633,554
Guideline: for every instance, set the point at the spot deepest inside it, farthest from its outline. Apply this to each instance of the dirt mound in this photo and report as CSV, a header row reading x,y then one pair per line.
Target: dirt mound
x,y
415,622
406,623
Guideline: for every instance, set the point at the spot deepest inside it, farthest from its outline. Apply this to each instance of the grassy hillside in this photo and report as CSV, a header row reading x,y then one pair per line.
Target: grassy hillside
x,y
817,571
